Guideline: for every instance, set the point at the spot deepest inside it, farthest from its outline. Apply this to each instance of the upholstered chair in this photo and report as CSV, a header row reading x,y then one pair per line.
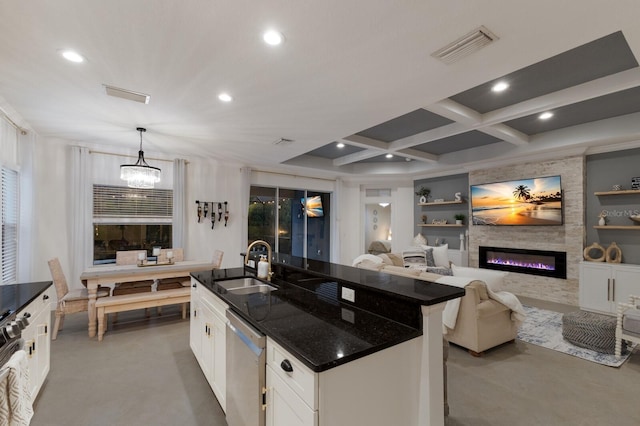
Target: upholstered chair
x,y
628,323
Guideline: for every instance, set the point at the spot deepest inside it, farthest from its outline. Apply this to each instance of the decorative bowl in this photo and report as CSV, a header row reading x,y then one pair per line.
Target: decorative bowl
x,y
635,218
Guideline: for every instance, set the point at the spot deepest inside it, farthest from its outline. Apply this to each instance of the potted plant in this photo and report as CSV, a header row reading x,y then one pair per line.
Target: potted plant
x,y
459,218
423,193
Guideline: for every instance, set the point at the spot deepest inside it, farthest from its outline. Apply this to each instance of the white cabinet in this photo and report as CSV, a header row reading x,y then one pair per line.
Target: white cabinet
x,y
355,393
38,339
208,337
604,285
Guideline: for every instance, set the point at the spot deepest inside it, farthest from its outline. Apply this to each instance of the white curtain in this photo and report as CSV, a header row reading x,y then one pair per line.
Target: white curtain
x,y
179,201
26,233
245,189
80,214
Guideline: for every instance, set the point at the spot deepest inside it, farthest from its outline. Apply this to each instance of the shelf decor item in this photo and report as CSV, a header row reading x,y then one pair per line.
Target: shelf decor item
x,y
459,218
423,193
613,253
599,252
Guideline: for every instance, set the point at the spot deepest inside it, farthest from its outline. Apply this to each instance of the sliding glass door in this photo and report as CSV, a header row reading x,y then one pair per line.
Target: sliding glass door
x,y
292,221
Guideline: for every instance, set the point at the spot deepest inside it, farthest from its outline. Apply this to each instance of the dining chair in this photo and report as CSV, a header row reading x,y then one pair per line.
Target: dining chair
x,y
69,301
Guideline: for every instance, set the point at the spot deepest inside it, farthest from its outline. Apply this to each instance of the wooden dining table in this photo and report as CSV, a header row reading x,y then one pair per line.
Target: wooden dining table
x,y
107,275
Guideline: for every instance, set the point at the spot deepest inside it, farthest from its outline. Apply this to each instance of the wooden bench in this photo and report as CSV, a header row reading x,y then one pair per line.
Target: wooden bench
x,y
129,302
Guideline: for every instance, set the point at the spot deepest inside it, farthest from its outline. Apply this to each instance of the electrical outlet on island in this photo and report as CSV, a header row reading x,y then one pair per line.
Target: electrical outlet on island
x,y
349,294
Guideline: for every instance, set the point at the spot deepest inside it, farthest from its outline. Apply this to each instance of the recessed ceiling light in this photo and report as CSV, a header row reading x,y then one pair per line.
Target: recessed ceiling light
x,y
273,37
545,115
340,145
389,156
72,56
500,86
225,97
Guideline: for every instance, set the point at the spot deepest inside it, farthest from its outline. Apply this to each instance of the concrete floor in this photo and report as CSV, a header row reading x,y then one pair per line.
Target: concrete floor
x,y
144,373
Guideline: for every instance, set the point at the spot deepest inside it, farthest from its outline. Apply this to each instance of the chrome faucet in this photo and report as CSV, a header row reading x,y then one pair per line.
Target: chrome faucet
x,y
266,244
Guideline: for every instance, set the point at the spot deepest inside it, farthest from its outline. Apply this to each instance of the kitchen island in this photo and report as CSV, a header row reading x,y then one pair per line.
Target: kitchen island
x,y
374,337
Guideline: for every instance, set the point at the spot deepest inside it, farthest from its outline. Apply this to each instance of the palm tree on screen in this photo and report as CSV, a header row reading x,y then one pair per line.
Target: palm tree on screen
x,y
522,192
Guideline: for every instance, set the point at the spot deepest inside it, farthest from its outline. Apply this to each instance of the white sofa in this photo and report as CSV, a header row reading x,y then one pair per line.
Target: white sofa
x,y
483,318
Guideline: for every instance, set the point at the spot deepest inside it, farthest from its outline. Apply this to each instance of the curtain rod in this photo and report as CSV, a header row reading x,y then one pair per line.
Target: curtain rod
x,y
13,123
91,151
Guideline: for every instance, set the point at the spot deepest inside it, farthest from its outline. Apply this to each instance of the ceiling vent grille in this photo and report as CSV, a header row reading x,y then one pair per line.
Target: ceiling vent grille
x,y
127,94
465,45
283,141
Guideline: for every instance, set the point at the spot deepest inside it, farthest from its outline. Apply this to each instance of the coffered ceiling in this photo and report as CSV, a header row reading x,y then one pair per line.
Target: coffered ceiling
x,y
359,72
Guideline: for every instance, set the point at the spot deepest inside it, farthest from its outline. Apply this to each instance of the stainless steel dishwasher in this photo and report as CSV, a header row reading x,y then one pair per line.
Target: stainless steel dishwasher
x,y
246,371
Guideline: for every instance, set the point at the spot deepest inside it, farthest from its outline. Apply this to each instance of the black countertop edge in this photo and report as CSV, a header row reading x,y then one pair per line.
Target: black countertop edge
x,y
406,288
15,297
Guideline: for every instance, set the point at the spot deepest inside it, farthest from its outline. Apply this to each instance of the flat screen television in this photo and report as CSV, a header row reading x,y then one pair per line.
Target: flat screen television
x,y
535,201
313,207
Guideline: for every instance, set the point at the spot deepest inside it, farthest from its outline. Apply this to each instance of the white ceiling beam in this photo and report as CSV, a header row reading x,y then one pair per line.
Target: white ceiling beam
x,y
506,133
428,136
365,142
357,156
419,155
582,92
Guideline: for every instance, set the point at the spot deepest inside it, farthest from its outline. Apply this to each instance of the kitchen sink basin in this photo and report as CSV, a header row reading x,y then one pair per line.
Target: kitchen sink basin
x,y
246,285
258,288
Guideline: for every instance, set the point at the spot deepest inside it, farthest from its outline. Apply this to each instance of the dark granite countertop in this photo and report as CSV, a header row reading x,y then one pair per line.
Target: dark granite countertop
x,y
314,325
14,297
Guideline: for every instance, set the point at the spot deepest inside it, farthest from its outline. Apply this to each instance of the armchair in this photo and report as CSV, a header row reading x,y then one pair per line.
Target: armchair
x,y
628,323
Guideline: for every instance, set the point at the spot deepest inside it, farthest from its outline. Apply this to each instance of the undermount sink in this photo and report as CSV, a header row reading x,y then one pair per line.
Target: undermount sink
x,y
246,285
259,288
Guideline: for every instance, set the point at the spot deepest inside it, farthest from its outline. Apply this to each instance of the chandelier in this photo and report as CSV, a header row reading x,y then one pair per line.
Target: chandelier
x,y
140,175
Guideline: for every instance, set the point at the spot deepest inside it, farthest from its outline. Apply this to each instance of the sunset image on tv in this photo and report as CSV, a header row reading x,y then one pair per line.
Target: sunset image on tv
x,y
535,201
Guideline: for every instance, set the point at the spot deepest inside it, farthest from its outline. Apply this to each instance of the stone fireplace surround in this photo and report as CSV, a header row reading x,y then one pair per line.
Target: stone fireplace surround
x,y
567,238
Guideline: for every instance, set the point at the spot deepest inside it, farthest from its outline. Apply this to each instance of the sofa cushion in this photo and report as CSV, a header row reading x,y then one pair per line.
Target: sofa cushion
x,y
493,279
391,259
631,321
429,276
400,270
440,255
367,264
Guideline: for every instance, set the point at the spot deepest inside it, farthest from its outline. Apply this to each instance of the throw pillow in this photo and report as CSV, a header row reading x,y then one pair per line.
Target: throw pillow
x,y
439,270
429,256
395,259
419,240
413,256
440,255
493,279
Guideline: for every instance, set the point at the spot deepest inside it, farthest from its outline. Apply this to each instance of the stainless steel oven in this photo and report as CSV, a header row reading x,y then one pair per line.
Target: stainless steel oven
x,y
10,335
246,371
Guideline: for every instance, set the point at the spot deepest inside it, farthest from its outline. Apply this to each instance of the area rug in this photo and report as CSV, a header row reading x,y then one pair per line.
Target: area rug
x,y
544,328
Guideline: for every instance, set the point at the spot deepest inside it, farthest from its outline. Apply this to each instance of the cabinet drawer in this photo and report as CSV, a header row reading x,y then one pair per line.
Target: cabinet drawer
x,y
302,380
39,304
214,303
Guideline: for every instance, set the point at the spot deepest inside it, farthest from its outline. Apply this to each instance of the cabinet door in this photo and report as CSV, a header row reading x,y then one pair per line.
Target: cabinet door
x,y
218,370
626,282
595,288
195,324
43,347
207,349
284,406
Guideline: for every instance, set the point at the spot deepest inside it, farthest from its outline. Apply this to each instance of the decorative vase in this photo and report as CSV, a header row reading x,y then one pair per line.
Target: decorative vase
x,y
458,221
602,222
423,199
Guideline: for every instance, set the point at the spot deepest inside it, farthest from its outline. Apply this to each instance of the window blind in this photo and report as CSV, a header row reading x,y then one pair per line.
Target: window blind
x,y
113,203
9,226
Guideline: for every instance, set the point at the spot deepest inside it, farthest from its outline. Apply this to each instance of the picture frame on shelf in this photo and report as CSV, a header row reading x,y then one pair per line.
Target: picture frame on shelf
x,y
439,222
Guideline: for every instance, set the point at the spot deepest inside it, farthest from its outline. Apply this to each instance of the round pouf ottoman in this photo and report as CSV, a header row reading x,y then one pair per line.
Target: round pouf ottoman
x,y
590,330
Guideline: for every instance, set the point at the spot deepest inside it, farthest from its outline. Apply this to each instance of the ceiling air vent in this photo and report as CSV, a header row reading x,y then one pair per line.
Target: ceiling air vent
x,y
465,45
127,94
283,141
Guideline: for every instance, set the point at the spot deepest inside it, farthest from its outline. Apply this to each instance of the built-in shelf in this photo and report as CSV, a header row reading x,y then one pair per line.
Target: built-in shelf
x,y
625,192
450,225
626,227
442,203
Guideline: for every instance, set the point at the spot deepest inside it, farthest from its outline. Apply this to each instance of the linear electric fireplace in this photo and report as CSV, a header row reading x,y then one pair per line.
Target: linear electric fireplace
x,y
535,262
